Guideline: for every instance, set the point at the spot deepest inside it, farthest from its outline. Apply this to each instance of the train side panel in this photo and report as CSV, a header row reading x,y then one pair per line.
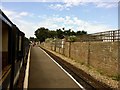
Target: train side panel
x,y
14,51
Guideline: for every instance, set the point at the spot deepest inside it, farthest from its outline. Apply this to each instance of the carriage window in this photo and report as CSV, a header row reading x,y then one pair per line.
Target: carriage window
x,y
16,42
5,30
20,39
5,40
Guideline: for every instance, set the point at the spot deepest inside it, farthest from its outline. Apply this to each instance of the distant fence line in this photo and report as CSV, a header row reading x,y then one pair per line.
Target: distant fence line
x,y
107,36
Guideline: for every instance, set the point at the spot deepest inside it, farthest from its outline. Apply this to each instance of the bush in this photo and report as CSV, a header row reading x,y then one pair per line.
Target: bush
x,y
49,40
72,38
116,77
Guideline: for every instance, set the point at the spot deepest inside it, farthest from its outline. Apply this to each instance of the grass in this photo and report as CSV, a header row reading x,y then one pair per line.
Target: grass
x,y
100,71
116,77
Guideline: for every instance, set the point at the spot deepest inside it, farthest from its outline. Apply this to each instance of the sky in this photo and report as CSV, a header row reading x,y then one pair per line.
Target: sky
x,y
90,15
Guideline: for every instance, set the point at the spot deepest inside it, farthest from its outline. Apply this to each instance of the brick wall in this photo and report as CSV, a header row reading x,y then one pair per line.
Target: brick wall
x,y
101,55
104,56
79,51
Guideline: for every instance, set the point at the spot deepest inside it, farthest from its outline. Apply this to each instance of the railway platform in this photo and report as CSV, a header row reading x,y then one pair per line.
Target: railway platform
x,y
44,72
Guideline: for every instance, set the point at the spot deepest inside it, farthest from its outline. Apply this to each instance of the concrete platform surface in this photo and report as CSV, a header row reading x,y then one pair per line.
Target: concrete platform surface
x,y
44,73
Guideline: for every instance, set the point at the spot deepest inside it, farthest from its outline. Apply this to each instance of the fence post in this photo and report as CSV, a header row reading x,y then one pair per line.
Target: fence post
x,y
113,36
63,51
55,46
88,61
62,47
51,46
70,49
119,54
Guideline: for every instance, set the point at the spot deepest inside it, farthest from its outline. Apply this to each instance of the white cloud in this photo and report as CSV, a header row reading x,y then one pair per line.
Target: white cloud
x,y
59,0
67,4
73,23
47,24
13,14
23,14
18,19
53,22
27,27
106,4
9,13
57,6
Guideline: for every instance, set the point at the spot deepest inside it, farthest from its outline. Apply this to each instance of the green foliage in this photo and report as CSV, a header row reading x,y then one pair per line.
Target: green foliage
x,y
69,33
72,38
49,40
81,32
116,77
44,33
52,34
60,34
72,33
31,38
36,40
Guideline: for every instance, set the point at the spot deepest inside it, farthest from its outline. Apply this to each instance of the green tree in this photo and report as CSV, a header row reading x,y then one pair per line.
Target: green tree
x,y
36,40
67,32
42,34
84,32
31,38
59,33
73,33
52,34
81,32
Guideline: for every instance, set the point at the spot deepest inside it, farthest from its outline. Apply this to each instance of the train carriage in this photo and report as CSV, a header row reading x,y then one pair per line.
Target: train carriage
x,y
13,52
6,59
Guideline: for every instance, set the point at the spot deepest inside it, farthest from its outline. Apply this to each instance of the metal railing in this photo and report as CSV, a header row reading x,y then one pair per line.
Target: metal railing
x,y
108,36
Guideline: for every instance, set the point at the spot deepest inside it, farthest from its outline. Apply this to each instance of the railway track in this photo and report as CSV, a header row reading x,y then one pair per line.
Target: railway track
x,y
87,81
